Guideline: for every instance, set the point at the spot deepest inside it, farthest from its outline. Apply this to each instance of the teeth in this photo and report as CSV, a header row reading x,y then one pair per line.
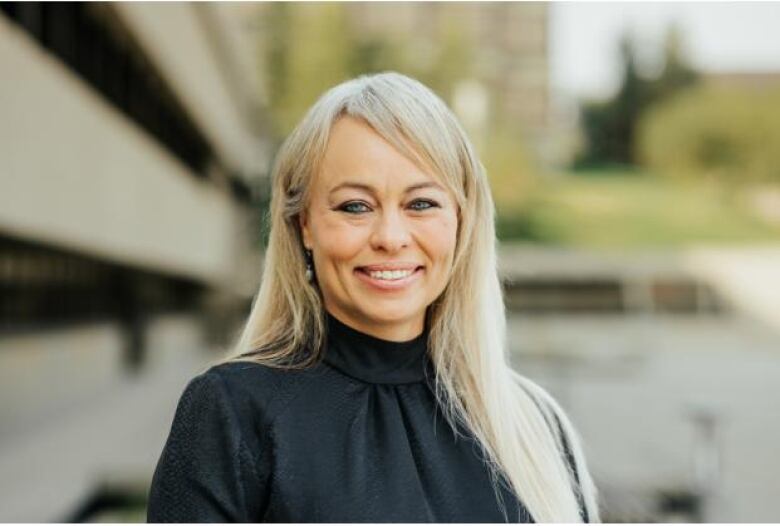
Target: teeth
x,y
390,274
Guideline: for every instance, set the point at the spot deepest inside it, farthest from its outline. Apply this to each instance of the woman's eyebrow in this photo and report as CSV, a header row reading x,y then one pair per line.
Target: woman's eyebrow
x,y
371,189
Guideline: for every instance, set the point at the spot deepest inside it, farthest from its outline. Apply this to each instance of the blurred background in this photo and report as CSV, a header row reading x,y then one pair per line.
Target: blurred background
x,y
633,154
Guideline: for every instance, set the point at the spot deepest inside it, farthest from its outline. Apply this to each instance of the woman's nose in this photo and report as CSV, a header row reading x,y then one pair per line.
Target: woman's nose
x,y
391,233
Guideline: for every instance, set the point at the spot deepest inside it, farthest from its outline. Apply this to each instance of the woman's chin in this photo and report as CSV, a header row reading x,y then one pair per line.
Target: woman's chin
x,y
390,316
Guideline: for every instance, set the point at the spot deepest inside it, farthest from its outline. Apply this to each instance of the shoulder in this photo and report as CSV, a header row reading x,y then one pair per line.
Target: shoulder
x,y
252,390
217,452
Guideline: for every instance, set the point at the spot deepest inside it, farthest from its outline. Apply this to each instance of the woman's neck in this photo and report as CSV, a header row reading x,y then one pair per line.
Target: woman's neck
x,y
400,331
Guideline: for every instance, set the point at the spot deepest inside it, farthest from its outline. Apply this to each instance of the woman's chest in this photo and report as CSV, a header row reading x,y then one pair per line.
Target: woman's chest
x,y
377,455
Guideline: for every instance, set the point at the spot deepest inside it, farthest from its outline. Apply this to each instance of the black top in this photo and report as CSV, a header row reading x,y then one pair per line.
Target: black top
x,y
357,438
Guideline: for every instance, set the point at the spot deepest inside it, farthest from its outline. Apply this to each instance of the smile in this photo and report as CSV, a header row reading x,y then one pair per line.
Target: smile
x,y
389,274
389,279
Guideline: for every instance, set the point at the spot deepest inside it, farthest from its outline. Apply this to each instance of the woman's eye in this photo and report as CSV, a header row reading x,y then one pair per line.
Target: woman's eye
x,y
354,207
422,204
358,207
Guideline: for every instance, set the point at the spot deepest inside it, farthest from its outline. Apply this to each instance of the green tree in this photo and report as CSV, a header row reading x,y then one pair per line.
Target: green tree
x,y
610,127
677,73
308,48
728,135
452,61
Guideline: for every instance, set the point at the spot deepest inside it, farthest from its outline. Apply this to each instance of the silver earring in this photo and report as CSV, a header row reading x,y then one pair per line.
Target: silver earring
x,y
309,266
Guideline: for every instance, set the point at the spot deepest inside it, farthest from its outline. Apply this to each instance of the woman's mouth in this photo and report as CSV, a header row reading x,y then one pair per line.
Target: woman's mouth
x,y
389,280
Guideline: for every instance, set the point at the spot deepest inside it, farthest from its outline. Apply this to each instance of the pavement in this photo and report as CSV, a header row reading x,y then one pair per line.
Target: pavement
x,y
49,472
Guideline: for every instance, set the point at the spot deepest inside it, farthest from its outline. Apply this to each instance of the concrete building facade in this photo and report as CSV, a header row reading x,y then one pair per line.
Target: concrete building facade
x,y
131,144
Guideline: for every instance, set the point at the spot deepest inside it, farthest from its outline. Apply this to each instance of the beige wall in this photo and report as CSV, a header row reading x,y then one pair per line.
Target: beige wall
x,y
204,60
75,172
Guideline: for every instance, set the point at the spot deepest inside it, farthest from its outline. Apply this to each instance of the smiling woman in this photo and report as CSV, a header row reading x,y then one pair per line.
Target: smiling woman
x,y
371,382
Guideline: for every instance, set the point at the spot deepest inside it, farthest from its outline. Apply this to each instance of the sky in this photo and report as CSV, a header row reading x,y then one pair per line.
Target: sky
x,y
719,36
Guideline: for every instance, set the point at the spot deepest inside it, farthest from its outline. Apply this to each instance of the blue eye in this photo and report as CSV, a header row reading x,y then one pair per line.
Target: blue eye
x,y
359,207
354,207
428,204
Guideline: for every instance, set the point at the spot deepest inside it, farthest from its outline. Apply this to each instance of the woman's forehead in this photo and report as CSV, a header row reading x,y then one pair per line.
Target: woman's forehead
x,y
379,181
358,157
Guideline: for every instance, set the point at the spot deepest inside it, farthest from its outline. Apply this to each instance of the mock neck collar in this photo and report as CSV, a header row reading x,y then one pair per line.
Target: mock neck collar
x,y
375,360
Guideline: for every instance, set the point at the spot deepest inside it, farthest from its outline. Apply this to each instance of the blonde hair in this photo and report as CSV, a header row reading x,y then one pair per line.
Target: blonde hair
x,y
523,433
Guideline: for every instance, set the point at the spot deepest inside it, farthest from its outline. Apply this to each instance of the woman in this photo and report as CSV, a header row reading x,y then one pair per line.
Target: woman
x,y
371,382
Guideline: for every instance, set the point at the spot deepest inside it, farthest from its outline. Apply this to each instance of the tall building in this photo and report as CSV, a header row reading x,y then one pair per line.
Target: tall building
x,y
131,144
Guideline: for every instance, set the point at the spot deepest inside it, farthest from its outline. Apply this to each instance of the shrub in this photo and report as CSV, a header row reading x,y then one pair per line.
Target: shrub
x,y
510,168
731,134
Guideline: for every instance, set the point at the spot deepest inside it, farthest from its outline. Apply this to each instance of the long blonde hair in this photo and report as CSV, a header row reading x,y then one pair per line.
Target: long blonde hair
x,y
523,433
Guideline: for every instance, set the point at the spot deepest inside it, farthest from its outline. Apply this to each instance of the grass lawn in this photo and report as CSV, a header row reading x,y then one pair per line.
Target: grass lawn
x,y
614,209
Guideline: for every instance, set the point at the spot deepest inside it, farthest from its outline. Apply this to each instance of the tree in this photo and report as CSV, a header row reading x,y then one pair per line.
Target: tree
x,y
308,50
610,127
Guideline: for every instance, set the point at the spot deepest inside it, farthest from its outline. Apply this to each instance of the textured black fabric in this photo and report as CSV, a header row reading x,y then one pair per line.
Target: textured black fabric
x,y
357,438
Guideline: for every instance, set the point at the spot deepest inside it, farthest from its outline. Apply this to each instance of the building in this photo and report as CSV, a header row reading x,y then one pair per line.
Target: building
x,y
131,148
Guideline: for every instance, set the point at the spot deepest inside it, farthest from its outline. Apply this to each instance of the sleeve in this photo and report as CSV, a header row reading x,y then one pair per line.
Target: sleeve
x,y
205,472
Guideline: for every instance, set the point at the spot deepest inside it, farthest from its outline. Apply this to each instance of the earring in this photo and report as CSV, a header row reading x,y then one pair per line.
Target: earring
x,y
309,265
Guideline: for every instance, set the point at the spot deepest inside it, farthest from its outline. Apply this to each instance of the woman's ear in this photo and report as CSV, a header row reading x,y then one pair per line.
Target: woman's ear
x,y
303,223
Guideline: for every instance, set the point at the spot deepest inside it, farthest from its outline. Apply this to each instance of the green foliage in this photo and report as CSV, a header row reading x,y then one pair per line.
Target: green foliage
x,y
509,168
614,210
610,126
309,47
373,54
727,134
452,62
308,50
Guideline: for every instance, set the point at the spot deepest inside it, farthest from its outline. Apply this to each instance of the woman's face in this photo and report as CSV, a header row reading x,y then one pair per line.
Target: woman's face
x,y
382,233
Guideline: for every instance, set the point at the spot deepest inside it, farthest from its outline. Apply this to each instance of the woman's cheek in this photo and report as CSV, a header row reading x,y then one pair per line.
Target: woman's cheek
x,y
440,234
342,240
